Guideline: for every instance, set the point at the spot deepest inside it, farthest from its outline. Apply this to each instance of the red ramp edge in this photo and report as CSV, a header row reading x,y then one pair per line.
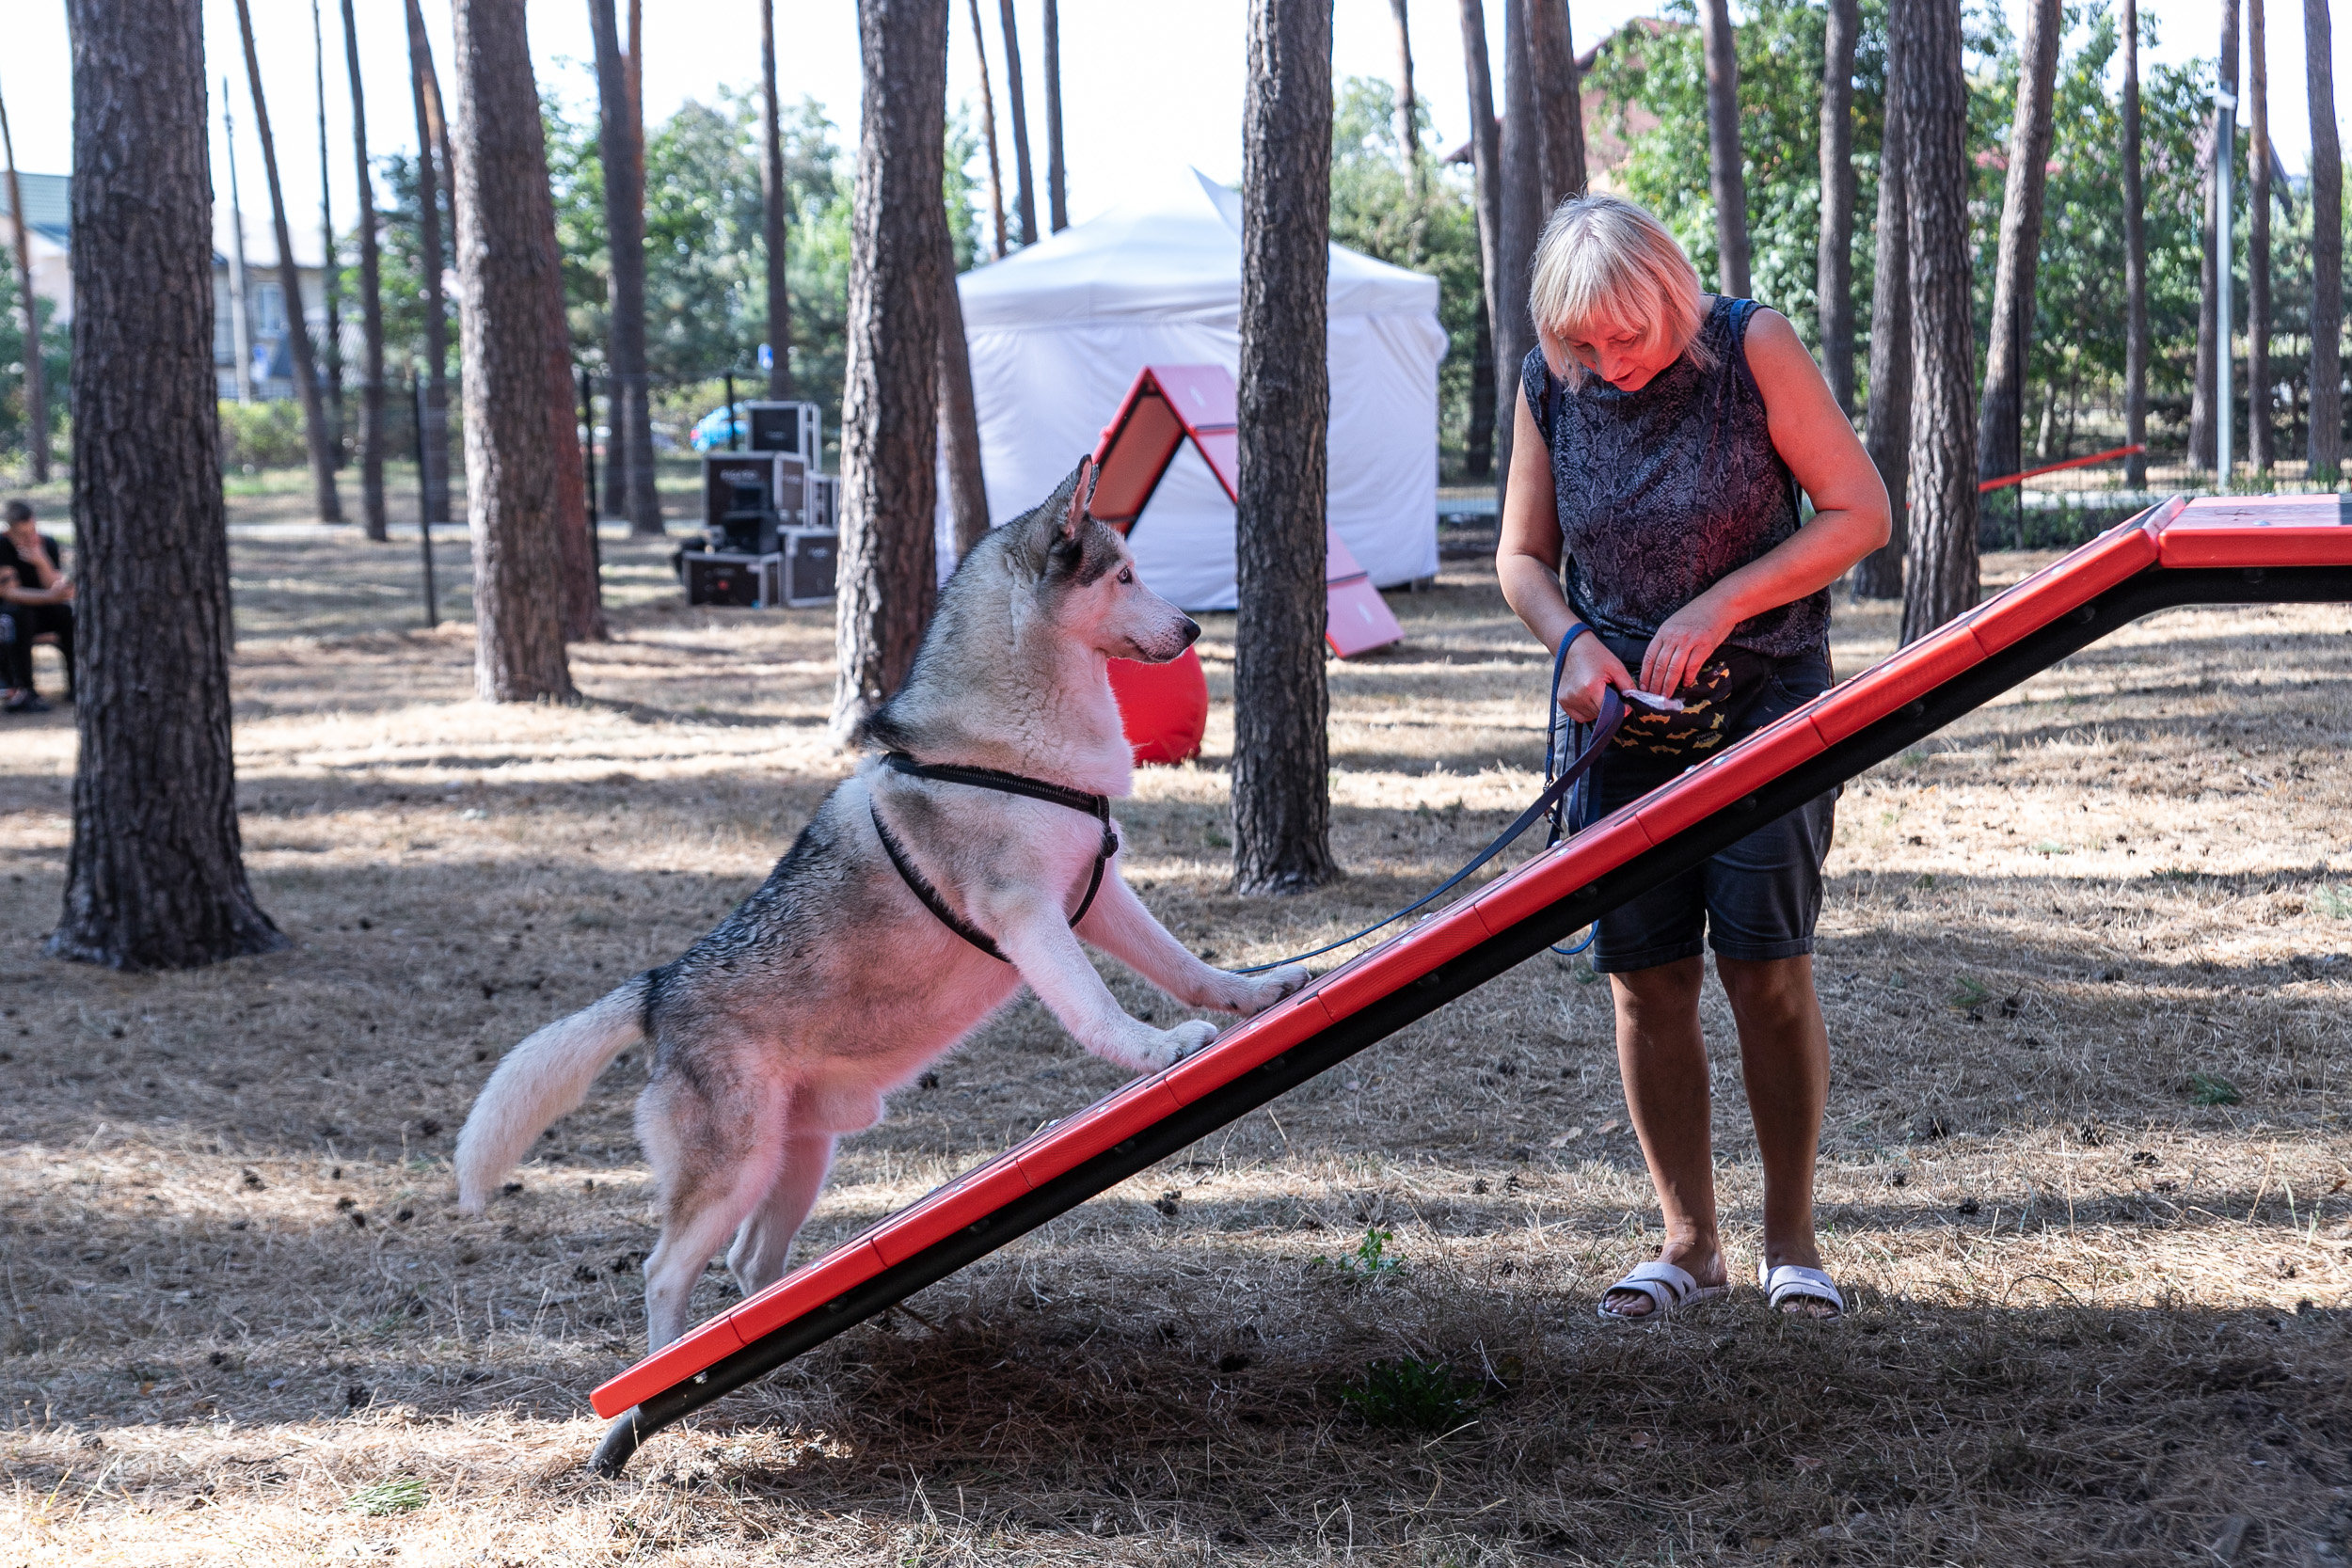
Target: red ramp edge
x,y
2209,533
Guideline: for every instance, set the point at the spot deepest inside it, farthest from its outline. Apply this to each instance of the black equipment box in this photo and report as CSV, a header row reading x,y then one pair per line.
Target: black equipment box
x,y
798,572
792,427
750,497
805,566
716,577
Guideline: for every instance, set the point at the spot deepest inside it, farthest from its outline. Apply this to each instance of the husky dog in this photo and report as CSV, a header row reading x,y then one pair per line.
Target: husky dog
x,y
842,977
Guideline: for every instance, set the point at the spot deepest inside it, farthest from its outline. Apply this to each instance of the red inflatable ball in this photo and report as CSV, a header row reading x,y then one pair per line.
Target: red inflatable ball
x,y
1163,707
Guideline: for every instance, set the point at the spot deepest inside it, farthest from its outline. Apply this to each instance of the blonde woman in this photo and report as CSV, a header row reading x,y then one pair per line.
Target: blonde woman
x,y
1663,436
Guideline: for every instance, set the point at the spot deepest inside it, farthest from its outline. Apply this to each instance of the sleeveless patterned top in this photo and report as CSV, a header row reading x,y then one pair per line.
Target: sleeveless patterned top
x,y
1667,490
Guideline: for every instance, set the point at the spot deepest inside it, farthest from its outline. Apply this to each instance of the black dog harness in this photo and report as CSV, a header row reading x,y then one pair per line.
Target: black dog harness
x,y
1096,806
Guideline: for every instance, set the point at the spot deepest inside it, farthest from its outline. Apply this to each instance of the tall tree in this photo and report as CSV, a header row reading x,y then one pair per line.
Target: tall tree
x,y
156,877
1407,108
330,506
988,128
888,578
625,236
1282,749
1056,177
1725,176
1559,102
2134,262
36,388
1940,572
371,302
2319,83
772,204
1998,444
2258,451
1486,141
1014,102
2217,270
959,416
425,90
1833,289
1520,223
330,284
1886,426
240,307
506,264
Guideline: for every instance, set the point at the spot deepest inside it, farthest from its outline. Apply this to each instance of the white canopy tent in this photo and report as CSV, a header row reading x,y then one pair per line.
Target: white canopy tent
x,y
1058,331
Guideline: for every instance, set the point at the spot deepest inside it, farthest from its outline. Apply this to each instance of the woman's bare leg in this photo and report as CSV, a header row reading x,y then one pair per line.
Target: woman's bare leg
x,y
1663,1062
1783,1058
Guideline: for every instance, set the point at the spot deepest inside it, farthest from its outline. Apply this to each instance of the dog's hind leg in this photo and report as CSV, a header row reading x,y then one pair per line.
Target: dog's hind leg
x,y
716,1160
1120,924
764,1243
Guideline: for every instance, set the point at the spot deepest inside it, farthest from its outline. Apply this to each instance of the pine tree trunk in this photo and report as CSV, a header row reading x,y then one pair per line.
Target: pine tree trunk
x,y
1478,441
330,282
1725,176
2135,263
772,207
2202,433
2326,394
306,375
156,877
988,128
1559,103
625,227
2258,445
1016,104
888,572
1940,571
1521,224
35,387
1998,415
958,417
582,582
1486,141
1056,177
1282,749
1886,427
1407,117
506,268
1834,269
432,259
371,303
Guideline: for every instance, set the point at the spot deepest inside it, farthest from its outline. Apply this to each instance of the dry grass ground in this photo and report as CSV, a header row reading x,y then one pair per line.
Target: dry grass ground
x,y
2085,958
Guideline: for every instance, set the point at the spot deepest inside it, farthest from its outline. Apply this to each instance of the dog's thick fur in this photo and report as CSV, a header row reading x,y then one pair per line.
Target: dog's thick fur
x,y
833,985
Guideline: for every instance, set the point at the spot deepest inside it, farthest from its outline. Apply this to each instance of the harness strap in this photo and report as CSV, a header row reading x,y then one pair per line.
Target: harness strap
x,y
1096,806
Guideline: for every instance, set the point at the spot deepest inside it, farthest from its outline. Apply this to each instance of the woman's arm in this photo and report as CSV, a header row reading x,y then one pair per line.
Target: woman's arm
x,y
1849,518
1527,560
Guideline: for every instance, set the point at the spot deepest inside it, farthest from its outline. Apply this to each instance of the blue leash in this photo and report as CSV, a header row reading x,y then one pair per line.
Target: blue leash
x,y
1547,804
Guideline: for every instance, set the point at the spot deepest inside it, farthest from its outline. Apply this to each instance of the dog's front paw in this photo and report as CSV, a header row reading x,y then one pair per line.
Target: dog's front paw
x,y
1255,994
1182,1041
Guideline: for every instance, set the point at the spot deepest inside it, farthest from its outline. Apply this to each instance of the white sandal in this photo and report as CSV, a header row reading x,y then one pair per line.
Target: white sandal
x,y
1670,1289
1794,1282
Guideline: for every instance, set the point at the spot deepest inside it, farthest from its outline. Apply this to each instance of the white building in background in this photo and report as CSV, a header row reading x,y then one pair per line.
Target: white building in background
x,y
49,212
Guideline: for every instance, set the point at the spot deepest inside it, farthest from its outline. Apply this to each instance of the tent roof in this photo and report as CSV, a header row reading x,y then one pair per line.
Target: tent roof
x,y
1172,251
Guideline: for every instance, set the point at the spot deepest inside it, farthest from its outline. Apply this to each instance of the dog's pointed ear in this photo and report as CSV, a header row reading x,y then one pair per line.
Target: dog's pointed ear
x,y
1080,484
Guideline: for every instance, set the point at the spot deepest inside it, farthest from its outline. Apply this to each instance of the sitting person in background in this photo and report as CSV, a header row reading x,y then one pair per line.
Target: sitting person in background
x,y
36,599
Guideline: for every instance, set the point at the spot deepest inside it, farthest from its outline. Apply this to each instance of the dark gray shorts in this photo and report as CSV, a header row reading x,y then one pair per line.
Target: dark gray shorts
x,y
1757,899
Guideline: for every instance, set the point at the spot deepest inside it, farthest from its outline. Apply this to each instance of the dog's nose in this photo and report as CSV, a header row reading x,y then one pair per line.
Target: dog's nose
x,y
1192,631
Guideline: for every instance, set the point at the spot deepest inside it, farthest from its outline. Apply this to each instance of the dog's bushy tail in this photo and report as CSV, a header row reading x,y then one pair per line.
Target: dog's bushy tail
x,y
540,1080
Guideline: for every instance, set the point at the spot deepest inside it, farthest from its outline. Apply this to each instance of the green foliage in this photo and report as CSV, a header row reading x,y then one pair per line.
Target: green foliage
x,y
1412,1395
2207,1088
399,1495
256,436
55,359
1369,1260
1377,208
2334,902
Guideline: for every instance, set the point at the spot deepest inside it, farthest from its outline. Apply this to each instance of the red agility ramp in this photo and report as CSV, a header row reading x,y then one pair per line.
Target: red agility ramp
x,y
2222,550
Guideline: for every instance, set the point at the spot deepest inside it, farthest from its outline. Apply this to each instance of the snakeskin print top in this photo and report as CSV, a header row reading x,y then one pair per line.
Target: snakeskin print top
x,y
1666,491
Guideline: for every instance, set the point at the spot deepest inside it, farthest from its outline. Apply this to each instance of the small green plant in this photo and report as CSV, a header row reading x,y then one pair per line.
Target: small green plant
x,y
2173,874
2208,1088
2333,902
1969,992
1412,1395
2051,846
400,1495
1369,1260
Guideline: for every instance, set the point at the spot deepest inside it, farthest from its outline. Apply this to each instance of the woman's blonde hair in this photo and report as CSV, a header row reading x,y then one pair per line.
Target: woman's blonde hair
x,y
1604,258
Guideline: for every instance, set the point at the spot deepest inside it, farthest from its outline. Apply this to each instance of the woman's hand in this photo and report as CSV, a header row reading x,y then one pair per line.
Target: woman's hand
x,y
1591,671
1684,644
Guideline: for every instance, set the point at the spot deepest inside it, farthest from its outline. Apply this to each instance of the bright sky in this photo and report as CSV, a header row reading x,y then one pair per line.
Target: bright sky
x,y
1145,85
